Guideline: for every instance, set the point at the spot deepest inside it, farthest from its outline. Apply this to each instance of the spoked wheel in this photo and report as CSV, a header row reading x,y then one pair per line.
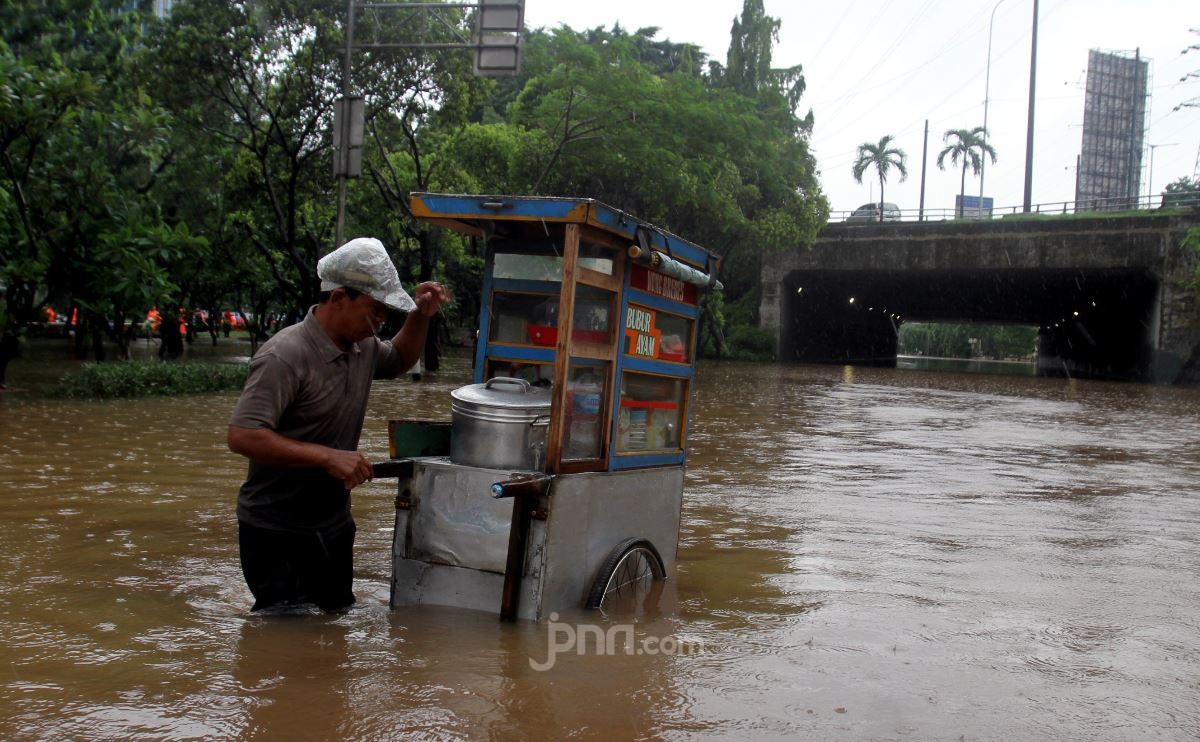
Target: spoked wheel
x,y
630,579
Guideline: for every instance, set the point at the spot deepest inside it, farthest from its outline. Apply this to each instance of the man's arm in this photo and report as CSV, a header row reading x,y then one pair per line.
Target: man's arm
x,y
410,341
272,449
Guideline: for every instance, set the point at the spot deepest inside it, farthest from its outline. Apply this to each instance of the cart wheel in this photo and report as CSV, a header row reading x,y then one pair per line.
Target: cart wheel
x,y
628,576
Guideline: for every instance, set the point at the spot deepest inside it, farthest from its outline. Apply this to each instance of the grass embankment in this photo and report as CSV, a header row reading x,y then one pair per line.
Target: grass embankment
x,y
150,379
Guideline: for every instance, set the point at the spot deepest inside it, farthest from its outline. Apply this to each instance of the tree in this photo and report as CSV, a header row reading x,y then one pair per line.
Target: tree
x,y
729,168
969,147
748,62
690,155
260,79
883,157
81,150
1182,193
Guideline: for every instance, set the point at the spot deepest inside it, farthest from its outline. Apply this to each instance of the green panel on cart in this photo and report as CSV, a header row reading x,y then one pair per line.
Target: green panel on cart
x,y
409,439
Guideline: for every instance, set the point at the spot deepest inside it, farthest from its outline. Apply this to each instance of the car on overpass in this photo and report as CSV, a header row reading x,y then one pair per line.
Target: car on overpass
x,y
870,213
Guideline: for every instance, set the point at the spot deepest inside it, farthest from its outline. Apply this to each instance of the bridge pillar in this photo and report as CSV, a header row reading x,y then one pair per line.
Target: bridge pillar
x,y
770,313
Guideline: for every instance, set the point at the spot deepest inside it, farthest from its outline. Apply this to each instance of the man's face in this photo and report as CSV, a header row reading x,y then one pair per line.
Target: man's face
x,y
366,316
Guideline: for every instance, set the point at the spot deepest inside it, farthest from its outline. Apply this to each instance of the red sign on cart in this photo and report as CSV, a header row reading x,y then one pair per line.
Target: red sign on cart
x,y
653,282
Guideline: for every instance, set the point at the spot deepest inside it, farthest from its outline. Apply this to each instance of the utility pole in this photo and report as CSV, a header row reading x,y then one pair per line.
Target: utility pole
x,y
1029,128
924,159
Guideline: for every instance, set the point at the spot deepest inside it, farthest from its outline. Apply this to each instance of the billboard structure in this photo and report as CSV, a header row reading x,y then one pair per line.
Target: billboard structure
x,y
1114,130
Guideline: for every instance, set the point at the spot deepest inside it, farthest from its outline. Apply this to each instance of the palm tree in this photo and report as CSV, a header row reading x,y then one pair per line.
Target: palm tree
x,y
968,146
883,157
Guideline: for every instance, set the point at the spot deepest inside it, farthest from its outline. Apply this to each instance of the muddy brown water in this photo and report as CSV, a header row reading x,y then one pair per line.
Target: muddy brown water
x,y
865,554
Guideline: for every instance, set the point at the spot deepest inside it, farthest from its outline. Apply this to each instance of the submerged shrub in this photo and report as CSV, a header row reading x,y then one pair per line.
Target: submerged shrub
x,y
151,379
749,343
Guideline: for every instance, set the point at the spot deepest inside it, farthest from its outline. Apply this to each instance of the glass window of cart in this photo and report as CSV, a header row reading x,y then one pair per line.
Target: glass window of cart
x,y
585,410
538,374
650,417
525,319
655,334
591,321
528,267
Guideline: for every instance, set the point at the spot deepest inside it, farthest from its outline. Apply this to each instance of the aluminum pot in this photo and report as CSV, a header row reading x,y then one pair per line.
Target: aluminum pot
x,y
500,424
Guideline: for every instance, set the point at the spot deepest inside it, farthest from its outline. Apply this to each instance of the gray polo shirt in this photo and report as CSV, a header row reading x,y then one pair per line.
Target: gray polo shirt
x,y
303,386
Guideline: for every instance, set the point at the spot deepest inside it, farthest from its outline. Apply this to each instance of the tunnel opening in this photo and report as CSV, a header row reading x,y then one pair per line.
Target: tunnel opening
x,y
1095,323
1008,349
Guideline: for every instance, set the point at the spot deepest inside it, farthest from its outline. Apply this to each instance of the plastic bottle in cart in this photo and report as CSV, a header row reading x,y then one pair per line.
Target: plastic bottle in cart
x,y
637,429
585,394
583,438
661,429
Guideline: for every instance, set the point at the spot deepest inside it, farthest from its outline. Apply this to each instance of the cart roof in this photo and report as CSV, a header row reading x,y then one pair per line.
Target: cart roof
x,y
517,217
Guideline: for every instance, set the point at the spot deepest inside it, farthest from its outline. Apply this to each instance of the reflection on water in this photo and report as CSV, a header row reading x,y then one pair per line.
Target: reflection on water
x,y
865,553
967,365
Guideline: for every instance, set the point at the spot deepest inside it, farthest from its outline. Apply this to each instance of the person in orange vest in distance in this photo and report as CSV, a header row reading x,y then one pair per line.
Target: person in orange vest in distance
x,y
51,315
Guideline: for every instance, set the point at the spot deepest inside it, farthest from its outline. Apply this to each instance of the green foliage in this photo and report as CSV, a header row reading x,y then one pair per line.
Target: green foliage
x,y
1182,193
949,340
186,162
1191,243
968,146
750,343
257,82
729,170
151,379
883,157
81,144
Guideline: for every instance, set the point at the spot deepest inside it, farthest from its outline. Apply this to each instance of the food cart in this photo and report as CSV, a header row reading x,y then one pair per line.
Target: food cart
x,y
559,482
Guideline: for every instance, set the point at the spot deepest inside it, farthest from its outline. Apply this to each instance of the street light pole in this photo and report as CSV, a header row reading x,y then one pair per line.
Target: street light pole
x,y
987,84
343,133
1150,174
1029,126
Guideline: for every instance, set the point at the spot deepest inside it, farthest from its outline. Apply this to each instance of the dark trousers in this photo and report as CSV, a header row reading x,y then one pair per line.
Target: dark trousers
x,y
284,569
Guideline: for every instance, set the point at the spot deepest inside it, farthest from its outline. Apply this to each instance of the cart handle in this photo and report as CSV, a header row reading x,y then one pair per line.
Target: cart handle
x,y
521,487
402,468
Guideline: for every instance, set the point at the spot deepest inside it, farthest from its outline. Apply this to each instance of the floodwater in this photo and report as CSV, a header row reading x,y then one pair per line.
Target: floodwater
x,y
865,554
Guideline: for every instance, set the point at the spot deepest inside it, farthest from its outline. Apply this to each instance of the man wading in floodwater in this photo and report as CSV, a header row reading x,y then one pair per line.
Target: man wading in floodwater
x,y
299,419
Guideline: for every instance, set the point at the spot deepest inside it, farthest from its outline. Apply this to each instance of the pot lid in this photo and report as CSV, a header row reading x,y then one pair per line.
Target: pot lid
x,y
503,391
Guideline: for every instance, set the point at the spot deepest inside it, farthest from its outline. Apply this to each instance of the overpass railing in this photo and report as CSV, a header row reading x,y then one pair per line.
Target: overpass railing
x,y
1051,208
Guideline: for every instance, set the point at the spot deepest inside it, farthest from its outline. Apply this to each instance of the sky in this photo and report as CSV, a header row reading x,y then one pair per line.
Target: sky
x,y
880,67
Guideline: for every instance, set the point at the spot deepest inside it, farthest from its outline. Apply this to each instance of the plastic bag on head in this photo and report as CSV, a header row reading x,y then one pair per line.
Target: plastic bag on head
x,y
363,264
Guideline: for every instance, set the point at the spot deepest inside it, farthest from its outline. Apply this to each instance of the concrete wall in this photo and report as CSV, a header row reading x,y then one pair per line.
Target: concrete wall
x,y
1105,290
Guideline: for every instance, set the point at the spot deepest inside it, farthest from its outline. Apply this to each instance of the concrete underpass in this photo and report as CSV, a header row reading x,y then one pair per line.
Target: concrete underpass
x,y
1095,288
1094,323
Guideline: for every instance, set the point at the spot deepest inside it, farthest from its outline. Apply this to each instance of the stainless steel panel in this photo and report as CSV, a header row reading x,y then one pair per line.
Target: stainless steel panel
x,y
455,520
451,548
416,582
421,583
591,513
